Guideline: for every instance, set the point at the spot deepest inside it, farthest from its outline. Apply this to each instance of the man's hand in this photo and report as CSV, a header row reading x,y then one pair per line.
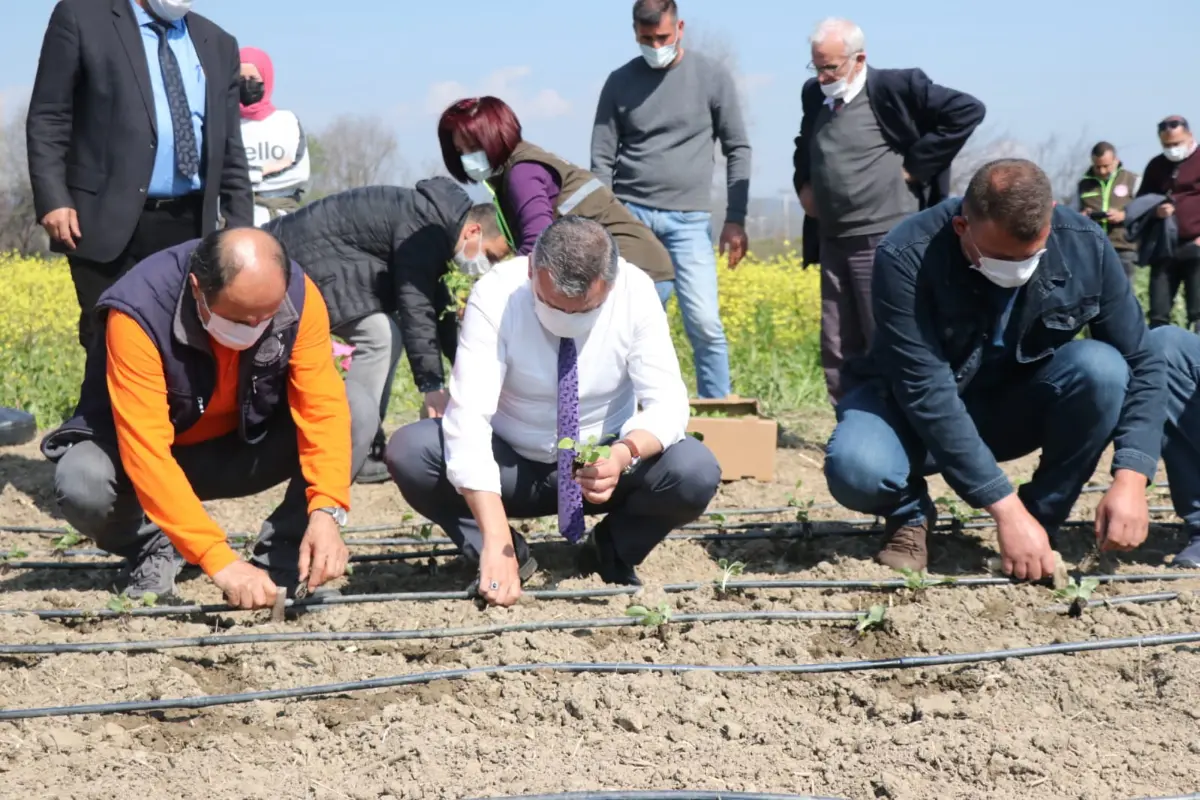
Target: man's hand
x,y
63,226
499,578
245,586
1024,546
1123,516
733,240
1116,216
323,554
806,200
1164,210
907,178
598,480
434,404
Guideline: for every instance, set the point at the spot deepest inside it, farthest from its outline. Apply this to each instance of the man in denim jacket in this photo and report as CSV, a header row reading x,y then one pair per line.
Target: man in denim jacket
x,y
977,359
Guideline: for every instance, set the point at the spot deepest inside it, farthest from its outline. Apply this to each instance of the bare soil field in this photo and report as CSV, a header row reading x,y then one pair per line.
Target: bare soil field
x,y
1103,725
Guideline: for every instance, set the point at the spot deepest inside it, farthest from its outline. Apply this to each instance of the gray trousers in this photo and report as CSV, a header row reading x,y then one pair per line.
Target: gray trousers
x,y
661,494
847,321
97,498
377,350
1129,262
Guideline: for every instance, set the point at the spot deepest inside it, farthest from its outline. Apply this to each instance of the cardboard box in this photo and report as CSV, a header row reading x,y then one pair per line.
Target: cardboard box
x,y
742,441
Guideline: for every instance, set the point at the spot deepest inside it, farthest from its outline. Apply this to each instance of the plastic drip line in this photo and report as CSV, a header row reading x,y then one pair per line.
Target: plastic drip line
x,y
1127,599
581,594
904,662
154,645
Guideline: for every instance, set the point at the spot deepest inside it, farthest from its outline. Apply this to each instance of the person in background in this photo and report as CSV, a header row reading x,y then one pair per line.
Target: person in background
x,y
213,379
379,255
481,141
571,342
276,148
1175,175
978,360
652,142
1103,192
875,146
133,136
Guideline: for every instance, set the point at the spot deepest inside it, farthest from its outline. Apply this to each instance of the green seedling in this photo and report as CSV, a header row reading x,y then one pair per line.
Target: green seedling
x,y
728,570
711,414
123,604
697,435
919,581
959,513
873,619
719,519
588,453
1077,594
803,507
425,532
14,555
650,617
66,541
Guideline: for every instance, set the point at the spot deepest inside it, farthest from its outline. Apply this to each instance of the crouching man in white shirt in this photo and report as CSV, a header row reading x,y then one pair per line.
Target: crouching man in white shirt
x,y
563,344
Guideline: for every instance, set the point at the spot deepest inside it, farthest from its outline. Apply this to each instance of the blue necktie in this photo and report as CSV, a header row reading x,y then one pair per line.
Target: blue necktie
x,y
187,156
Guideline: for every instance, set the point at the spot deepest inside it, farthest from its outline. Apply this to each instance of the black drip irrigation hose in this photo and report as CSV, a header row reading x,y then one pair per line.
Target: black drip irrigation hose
x,y
1122,600
903,662
581,594
728,533
154,645
681,794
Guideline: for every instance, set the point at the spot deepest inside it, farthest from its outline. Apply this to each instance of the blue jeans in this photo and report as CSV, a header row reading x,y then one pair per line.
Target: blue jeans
x,y
1069,406
688,238
1181,436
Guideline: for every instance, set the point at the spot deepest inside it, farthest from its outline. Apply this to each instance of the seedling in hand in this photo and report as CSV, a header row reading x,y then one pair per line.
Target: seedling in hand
x,y
588,453
650,617
459,286
123,604
873,619
728,570
1077,594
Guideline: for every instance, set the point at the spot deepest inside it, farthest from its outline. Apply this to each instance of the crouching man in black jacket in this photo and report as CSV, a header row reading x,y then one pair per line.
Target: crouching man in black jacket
x,y
379,254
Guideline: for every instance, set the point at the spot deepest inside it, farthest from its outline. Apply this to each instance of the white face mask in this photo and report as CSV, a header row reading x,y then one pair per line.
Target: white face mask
x,y
476,166
661,57
233,335
562,324
170,10
841,87
476,265
1179,152
1008,274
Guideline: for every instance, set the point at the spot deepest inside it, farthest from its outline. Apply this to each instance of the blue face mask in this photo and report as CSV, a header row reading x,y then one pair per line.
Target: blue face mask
x,y
477,166
661,57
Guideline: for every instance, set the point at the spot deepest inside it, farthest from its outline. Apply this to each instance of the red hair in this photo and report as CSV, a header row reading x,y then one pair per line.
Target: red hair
x,y
487,121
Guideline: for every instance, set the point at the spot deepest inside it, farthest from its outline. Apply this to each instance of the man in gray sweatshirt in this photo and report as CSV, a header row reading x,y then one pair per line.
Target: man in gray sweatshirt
x,y
652,142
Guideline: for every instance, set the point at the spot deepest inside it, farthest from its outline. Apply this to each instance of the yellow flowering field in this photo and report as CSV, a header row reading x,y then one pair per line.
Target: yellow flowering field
x,y
771,310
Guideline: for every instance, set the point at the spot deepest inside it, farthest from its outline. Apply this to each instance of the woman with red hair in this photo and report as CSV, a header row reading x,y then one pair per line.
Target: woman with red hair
x,y
276,149
481,143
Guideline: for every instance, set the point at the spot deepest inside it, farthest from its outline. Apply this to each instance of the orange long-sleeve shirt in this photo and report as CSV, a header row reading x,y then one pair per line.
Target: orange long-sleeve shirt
x,y
137,386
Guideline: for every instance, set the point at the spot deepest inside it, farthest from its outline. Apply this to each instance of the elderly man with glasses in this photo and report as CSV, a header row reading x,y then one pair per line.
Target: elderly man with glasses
x,y
874,147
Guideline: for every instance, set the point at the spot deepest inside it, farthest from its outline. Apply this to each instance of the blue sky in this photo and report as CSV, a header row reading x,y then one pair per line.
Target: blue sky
x,y
1098,70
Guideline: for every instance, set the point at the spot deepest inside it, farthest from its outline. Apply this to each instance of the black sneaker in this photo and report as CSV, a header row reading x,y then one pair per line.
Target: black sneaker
x,y
599,555
526,564
375,470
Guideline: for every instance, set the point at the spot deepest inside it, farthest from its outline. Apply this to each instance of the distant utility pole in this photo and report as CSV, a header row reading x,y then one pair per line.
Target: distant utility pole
x,y
787,215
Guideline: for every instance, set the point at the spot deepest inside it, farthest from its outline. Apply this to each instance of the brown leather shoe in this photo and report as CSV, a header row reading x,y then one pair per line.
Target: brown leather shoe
x,y
906,548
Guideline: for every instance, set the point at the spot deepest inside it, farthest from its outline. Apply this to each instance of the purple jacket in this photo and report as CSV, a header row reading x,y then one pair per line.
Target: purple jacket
x,y
531,192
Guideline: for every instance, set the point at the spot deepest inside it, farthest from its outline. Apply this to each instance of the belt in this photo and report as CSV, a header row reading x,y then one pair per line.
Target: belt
x,y
170,203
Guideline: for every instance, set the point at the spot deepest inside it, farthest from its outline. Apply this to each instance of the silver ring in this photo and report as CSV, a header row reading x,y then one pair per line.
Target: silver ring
x,y
495,586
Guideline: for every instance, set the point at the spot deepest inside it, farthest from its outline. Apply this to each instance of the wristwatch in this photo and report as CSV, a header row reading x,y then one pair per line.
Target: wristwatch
x,y
635,458
338,514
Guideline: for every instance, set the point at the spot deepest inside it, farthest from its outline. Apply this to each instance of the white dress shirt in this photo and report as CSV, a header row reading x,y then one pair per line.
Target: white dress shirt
x,y
505,377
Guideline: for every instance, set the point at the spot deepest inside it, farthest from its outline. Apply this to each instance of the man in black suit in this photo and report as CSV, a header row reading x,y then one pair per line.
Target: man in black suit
x,y
134,136
874,147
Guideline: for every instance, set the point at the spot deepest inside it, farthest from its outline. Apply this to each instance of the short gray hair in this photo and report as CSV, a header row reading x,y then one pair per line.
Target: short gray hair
x,y
850,34
575,252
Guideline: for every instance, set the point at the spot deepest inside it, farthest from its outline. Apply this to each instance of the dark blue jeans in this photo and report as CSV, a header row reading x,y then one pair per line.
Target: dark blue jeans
x,y
877,464
1181,436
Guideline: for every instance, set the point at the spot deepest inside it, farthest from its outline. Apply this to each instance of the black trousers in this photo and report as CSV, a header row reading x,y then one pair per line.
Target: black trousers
x,y
163,224
1165,280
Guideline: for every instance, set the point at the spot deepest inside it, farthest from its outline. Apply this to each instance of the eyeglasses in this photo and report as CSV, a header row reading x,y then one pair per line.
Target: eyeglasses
x,y
831,69
1172,124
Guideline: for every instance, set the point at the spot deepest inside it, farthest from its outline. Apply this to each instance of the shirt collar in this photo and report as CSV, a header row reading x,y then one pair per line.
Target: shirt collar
x,y
144,18
855,89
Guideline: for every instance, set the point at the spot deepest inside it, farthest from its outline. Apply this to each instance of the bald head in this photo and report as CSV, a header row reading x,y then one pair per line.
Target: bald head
x,y
1015,194
240,274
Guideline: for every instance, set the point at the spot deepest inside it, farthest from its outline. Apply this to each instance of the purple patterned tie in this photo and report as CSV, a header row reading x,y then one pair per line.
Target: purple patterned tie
x,y
570,494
